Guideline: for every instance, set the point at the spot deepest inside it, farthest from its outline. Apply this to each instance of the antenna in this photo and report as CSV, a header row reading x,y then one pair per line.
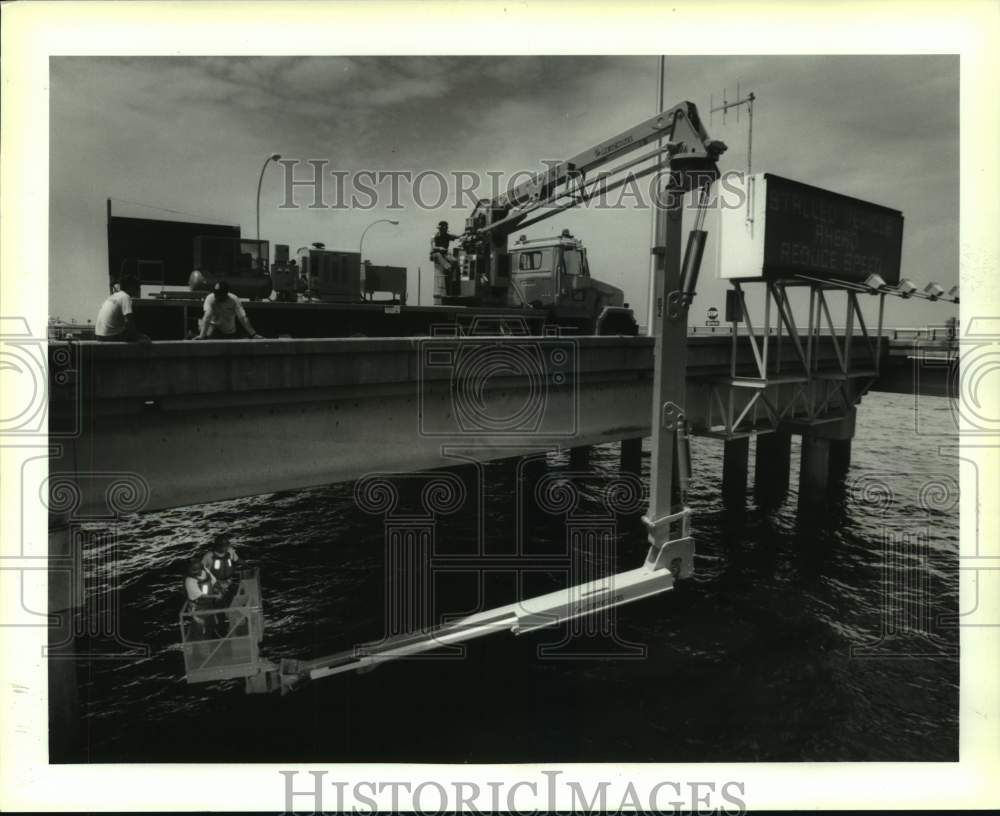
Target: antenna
x,y
747,100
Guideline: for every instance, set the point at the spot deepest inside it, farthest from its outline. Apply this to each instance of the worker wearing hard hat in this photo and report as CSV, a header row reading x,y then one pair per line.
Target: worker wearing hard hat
x,y
442,238
200,587
439,255
222,311
220,561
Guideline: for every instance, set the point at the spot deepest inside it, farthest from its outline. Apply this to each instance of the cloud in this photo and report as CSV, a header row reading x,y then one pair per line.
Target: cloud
x,y
190,133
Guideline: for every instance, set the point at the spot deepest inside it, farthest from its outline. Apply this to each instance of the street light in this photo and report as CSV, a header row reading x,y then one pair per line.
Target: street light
x,y
933,291
272,158
875,283
361,245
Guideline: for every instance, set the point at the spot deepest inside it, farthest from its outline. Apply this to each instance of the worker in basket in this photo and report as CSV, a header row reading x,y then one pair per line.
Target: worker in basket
x,y
199,585
442,260
220,561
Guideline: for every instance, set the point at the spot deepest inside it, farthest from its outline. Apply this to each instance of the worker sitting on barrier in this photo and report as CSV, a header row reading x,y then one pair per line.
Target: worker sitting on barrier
x,y
114,320
222,310
202,594
220,561
439,255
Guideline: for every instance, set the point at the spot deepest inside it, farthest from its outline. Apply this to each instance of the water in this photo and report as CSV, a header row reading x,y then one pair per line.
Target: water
x,y
777,650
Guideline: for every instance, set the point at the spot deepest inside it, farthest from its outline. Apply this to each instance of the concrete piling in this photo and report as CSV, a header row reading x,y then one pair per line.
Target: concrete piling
x,y
840,458
579,457
631,456
814,472
65,595
772,468
735,458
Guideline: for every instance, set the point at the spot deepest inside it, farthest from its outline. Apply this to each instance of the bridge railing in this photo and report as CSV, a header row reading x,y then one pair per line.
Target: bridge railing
x,y
927,333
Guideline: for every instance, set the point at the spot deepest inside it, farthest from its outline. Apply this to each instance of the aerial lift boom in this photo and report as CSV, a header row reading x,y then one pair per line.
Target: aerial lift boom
x,y
688,161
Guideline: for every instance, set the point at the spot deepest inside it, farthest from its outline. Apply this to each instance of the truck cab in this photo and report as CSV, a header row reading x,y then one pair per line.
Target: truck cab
x,y
554,274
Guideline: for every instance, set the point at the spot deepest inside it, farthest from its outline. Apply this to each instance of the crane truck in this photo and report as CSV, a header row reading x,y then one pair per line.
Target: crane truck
x,y
689,159
550,276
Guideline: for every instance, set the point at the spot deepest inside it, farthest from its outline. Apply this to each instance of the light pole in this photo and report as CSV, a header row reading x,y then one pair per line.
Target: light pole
x,y
361,246
272,158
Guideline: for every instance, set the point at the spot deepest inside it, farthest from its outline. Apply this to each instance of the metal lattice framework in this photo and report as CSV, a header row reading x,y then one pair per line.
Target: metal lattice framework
x,y
753,396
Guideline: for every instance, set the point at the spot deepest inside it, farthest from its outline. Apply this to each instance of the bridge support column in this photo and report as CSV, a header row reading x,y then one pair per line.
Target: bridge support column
x,y
631,456
814,471
840,457
826,455
65,596
771,468
579,458
735,457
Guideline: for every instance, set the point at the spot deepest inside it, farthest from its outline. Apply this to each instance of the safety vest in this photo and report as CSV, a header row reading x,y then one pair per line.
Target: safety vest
x,y
205,587
222,566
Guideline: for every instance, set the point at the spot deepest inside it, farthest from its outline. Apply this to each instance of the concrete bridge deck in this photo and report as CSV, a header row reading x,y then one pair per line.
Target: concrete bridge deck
x,y
196,422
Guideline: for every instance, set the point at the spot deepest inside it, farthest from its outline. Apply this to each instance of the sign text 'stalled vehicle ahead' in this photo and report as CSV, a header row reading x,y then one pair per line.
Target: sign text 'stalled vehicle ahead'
x,y
790,228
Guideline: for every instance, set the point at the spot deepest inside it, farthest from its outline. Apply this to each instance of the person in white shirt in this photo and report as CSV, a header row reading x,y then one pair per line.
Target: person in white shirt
x,y
200,588
114,319
222,310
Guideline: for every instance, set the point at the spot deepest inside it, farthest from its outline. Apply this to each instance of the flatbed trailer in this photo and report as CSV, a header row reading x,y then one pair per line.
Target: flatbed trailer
x,y
176,318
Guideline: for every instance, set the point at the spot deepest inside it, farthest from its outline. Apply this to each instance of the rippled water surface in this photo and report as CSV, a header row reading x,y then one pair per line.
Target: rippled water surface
x,y
792,642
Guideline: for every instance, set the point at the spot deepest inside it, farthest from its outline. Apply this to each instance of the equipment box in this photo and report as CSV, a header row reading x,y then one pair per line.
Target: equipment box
x,y
385,279
334,276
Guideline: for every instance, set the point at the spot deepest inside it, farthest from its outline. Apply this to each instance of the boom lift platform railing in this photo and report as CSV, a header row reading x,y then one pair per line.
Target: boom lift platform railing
x,y
233,650
691,167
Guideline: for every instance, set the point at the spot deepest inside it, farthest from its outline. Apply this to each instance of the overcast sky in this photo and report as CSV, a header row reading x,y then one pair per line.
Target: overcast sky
x,y
190,134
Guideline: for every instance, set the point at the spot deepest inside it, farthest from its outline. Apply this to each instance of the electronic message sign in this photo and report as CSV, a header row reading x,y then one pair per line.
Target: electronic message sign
x,y
790,228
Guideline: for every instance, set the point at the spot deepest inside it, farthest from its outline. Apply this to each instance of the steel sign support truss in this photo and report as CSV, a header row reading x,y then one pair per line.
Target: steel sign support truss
x,y
754,396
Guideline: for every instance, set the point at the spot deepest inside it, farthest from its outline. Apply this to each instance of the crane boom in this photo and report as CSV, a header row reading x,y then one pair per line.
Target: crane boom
x,y
679,134
680,125
691,165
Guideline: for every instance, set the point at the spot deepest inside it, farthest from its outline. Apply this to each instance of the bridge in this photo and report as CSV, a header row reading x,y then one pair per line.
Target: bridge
x,y
199,422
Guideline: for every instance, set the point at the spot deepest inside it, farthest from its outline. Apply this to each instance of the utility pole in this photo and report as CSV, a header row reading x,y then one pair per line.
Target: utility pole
x,y
651,286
